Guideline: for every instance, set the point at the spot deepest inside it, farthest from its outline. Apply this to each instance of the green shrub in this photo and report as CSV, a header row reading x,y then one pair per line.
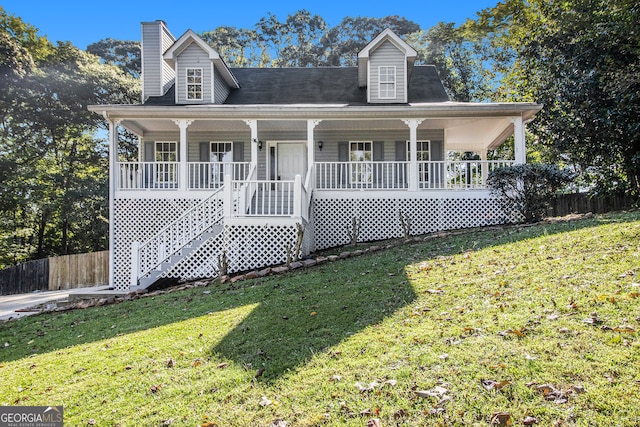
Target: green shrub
x,y
527,188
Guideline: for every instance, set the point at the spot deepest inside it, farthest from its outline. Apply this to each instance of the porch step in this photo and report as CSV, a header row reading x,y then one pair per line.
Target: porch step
x,y
154,277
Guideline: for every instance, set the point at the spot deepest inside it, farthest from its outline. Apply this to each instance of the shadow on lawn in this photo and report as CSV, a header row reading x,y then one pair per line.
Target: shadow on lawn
x,y
298,315
296,320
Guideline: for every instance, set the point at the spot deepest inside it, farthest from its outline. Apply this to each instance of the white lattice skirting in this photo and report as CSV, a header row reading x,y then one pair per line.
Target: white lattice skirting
x,y
249,244
378,217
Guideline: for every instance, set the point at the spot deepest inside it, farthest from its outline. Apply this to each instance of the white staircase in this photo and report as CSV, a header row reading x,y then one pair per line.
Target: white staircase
x,y
153,259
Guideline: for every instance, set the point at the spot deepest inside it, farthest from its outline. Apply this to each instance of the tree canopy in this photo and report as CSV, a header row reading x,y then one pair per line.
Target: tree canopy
x,y
580,58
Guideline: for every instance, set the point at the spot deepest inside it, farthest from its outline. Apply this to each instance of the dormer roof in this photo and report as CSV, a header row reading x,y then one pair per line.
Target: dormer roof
x,y
387,35
190,37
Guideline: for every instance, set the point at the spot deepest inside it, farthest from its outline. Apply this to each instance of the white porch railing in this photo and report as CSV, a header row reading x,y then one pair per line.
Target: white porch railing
x,y
147,175
437,175
265,198
166,175
208,175
361,175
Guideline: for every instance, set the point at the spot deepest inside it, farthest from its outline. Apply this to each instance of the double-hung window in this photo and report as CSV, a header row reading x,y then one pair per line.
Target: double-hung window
x,y
221,158
360,156
194,84
166,167
387,82
423,156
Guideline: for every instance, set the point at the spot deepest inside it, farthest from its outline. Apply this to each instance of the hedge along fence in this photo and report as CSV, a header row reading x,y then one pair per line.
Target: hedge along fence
x,y
63,272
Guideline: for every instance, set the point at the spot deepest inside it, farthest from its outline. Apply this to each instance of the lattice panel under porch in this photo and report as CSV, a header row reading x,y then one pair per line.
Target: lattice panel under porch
x,y
379,219
139,220
203,263
253,246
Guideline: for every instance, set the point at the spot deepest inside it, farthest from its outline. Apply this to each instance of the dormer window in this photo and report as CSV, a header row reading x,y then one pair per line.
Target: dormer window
x,y
194,84
387,83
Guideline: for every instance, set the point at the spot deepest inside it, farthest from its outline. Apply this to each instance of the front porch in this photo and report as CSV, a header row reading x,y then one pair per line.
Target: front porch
x,y
211,192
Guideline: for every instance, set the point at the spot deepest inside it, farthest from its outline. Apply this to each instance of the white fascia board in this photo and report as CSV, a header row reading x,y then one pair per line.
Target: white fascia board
x,y
387,34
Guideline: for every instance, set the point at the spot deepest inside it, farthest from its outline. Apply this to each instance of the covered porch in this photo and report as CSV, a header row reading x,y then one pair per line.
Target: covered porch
x,y
329,154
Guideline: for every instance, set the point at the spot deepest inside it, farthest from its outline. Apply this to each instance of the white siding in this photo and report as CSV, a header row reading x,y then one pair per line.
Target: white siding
x,y
151,60
387,55
157,76
168,73
193,57
221,90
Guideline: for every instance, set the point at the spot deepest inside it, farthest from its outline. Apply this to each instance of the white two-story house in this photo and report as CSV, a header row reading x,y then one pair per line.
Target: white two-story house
x,y
240,168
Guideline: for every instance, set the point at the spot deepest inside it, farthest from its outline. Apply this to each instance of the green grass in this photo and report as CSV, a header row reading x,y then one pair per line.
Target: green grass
x,y
447,316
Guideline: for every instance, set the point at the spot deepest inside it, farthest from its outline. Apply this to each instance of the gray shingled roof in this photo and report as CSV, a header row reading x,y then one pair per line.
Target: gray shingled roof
x,y
320,85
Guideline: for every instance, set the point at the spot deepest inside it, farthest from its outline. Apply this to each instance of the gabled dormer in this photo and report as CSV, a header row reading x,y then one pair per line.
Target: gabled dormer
x,y
201,75
384,67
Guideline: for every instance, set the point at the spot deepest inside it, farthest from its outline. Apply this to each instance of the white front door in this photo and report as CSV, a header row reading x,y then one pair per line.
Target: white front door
x,y
289,158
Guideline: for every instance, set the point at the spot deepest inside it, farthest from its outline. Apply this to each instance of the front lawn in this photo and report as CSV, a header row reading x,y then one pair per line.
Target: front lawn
x,y
522,326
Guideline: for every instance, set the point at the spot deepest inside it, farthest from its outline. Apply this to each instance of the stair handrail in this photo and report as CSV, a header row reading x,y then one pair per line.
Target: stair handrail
x,y
176,235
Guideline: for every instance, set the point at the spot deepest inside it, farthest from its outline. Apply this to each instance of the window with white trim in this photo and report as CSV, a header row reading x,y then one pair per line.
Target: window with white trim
x,y
166,172
194,84
221,153
166,151
423,156
360,156
387,82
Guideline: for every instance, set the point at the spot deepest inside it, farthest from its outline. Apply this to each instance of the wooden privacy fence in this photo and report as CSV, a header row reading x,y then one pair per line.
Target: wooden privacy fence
x,y
63,272
565,204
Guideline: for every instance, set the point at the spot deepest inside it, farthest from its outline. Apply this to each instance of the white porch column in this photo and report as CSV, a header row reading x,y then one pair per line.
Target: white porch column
x,y
484,166
311,147
413,152
519,140
113,169
253,125
184,153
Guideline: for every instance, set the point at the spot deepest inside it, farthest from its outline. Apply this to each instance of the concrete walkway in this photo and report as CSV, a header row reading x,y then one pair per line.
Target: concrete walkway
x,y
21,305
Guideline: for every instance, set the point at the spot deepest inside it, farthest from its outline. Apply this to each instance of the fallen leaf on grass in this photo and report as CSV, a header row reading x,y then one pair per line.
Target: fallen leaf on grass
x,y
208,424
593,319
625,328
558,395
199,361
222,365
435,291
501,418
390,382
264,401
437,391
374,422
171,363
363,387
155,388
529,421
278,423
494,385
336,378
517,332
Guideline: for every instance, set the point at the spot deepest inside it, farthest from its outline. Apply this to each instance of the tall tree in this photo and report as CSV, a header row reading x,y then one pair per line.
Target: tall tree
x,y
581,59
124,54
341,44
